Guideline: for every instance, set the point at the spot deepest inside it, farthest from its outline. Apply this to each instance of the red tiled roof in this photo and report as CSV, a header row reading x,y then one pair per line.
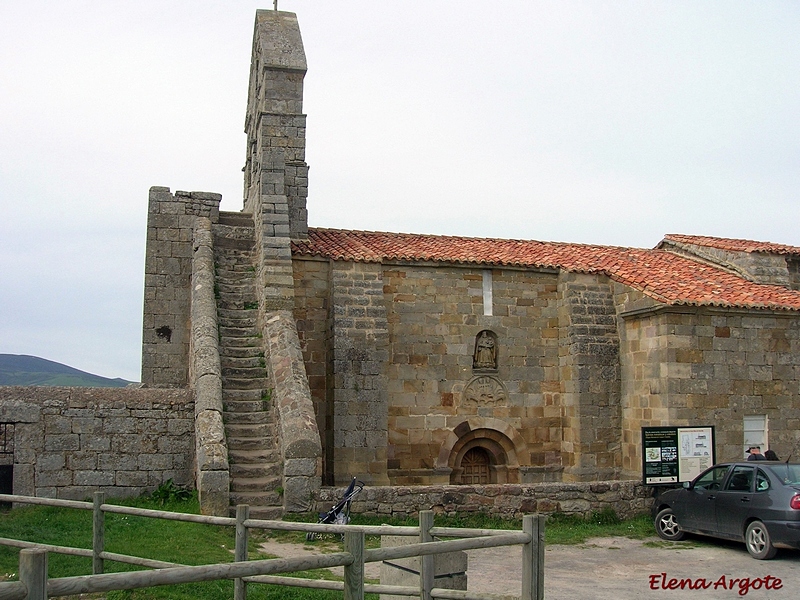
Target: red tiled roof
x,y
662,275
732,245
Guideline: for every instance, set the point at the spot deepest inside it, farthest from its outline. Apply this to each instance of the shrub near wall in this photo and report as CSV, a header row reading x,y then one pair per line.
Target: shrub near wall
x,y
625,498
70,442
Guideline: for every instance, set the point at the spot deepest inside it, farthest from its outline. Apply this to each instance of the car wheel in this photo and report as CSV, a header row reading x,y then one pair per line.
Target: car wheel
x,y
667,526
758,542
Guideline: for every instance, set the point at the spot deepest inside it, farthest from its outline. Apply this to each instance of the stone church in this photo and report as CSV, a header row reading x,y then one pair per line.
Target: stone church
x,y
320,354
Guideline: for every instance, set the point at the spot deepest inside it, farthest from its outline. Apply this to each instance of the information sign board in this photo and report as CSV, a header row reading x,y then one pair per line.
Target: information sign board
x,y
676,454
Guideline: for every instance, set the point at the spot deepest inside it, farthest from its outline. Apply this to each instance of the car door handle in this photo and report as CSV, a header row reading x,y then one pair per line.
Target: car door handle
x,y
711,497
745,499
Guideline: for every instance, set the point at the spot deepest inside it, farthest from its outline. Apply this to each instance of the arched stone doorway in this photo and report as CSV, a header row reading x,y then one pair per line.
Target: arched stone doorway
x,y
476,452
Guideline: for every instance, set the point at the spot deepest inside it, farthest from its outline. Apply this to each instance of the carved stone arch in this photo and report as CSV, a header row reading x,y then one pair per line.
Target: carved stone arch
x,y
498,439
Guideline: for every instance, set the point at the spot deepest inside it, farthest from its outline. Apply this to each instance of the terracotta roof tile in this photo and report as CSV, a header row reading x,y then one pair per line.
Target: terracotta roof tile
x,y
733,245
662,275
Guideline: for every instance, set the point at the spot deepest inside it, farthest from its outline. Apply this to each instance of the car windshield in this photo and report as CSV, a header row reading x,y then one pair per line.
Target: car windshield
x,y
789,474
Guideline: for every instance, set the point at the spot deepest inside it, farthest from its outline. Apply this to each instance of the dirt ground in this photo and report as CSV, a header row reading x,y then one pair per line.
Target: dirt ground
x,y
621,569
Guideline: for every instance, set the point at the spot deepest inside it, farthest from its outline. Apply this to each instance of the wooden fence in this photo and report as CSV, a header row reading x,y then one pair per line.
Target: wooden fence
x,y
34,584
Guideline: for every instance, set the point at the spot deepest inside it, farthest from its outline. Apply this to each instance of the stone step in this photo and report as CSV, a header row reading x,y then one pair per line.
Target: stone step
x,y
257,372
245,406
242,314
229,260
241,352
236,362
247,418
262,513
255,484
238,332
235,218
240,342
236,301
232,291
238,244
250,313
237,342
256,499
247,431
225,276
244,232
255,470
238,383
244,323
243,395
238,443
253,457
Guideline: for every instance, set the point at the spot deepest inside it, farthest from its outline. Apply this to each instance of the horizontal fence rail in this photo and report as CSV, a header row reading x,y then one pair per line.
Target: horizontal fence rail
x,y
34,584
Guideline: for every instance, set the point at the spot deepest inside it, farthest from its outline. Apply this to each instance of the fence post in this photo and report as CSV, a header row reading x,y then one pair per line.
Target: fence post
x,y
98,533
533,558
354,573
33,572
426,564
240,552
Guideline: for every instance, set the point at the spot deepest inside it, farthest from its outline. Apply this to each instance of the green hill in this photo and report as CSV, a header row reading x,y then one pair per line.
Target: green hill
x,y
18,369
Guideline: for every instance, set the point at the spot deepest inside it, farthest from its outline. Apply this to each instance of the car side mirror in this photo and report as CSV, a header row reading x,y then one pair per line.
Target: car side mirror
x,y
687,485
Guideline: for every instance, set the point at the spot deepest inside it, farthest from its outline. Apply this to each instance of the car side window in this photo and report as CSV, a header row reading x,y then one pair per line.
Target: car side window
x,y
711,479
741,479
762,481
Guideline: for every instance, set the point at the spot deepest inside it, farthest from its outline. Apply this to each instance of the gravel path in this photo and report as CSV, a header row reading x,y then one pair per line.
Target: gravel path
x,y
621,569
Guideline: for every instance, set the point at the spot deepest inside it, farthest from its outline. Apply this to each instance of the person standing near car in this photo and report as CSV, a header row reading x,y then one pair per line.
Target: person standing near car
x,y
755,453
770,455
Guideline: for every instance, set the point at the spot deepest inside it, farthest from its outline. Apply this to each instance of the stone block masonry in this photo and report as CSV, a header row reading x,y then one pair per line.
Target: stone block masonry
x,y
167,282
625,498
360,354
71,442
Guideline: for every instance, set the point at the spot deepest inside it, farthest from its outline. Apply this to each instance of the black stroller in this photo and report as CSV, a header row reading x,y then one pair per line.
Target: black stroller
x,y
339,514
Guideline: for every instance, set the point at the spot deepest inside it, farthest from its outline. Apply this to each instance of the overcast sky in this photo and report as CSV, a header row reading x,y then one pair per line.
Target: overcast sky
x,y
595,122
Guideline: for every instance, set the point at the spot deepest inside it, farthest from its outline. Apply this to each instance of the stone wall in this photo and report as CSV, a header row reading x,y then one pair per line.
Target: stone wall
x,y
167,278
794,273
311,313
211,449
71,442
625,498
687,366
589,360
299,438
360,356
441,403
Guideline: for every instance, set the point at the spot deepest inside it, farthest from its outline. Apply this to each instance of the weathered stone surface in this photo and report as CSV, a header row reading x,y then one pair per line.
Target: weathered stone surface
x,y
508,500
299,435
111,431
212,452
298,493
213,491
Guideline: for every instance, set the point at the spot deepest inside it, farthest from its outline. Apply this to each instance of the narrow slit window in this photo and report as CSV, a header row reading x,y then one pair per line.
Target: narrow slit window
x,y
487,292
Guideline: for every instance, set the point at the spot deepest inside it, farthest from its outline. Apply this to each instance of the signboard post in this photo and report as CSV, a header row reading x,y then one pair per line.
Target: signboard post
x,y
676,454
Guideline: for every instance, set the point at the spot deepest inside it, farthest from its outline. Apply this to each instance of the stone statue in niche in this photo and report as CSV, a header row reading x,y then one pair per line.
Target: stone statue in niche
x,y
485,355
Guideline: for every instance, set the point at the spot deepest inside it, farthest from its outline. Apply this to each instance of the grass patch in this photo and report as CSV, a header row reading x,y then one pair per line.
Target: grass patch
x,y
172,541
572,529
559,529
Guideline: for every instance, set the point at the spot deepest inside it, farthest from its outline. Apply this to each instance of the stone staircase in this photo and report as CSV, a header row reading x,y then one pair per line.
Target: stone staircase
x,y
248,413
